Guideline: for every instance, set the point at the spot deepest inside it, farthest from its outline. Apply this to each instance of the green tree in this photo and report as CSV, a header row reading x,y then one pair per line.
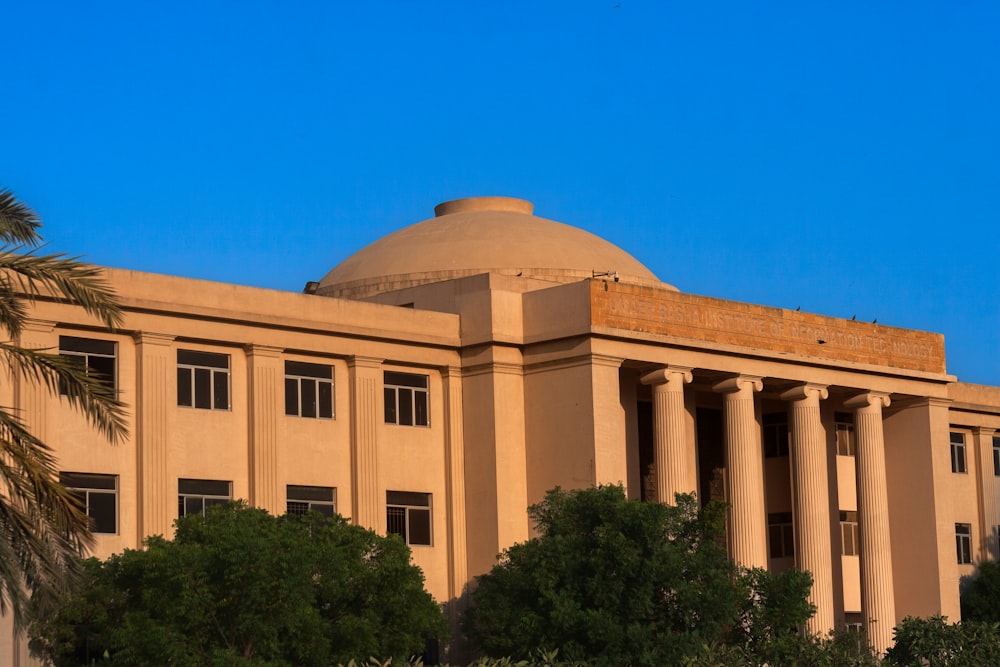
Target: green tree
x,y
240,586
933,642
981,594
618,582
42,527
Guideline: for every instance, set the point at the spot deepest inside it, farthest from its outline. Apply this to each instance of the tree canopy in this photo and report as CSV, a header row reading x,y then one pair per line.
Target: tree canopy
x,y
619,582
240,586
42,527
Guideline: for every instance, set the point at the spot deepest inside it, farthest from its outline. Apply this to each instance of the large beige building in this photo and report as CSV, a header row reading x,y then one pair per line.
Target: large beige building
x,y
440,380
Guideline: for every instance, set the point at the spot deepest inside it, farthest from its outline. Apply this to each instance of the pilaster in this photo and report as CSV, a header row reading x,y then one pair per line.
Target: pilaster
x,y
266,379
458,573
365,377
989,549
155,376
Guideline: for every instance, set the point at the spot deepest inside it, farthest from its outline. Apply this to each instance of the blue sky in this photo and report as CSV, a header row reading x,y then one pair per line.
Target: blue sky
x,y
841,157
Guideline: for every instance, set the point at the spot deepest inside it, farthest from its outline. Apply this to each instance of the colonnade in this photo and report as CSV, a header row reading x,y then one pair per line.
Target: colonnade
x,y
811,501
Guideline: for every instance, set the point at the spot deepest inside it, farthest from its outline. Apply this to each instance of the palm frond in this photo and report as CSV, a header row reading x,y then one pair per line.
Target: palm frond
x,y
64,277
91,395
18,222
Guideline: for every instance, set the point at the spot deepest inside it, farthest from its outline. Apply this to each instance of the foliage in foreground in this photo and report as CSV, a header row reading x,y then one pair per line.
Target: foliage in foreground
x,y
42,527
243,587
981,594
610,581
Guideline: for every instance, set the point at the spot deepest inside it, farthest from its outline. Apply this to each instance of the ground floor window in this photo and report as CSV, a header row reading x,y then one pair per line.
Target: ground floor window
x,y
781,535
301,499
195,496
963,543
408,515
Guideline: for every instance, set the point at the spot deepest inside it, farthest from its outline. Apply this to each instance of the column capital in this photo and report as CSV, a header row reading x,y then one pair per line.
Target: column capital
x,y
264,351
151,338
357,361
665,374
984,430
868,399
739,383
805,391
40,326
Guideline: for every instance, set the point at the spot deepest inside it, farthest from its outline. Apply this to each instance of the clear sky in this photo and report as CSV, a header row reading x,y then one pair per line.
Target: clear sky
x,y
841,157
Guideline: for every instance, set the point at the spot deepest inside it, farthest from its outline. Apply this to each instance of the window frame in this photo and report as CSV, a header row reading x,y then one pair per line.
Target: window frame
x,y
300,374
780,525
66,345
195,364
77,484
207,498
845,434
959,460
299,494
775,435
963,543
408,506
996,456
396,386
850,536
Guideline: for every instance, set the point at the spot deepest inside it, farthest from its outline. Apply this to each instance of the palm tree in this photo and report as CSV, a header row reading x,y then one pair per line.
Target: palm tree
x,y
42,526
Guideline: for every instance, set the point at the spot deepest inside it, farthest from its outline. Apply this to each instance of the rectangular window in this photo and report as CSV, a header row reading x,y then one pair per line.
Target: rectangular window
x,y
847,442
195,496
963,543
775,434
98,496
996,456
98,358
301,499
958,452
308,390
408,515
850,545
406,399
202,380
781,535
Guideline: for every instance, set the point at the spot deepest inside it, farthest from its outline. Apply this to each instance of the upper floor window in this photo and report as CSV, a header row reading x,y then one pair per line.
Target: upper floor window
x,y
781,535
195,496
97,357
301,499
408,515
98,497
958,452
996,455
850,544
406,399
847,441
202,380
775,434
308,390
963,543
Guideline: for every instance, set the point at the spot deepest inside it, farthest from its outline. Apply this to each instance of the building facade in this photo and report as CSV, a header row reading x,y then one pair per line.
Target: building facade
x,y
438,382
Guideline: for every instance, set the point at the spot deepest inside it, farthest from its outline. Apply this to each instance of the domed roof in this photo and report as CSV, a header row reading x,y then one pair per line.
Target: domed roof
x,y
480,235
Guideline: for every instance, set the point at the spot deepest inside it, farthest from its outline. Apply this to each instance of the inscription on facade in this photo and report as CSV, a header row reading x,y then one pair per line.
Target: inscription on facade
x,y
657,311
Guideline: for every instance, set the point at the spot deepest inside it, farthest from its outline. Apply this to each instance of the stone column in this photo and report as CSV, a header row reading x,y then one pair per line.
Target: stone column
x,y
878,606
266,379
365,376
32,397
986,478
744,471
156,370
673,470
811,495
458,571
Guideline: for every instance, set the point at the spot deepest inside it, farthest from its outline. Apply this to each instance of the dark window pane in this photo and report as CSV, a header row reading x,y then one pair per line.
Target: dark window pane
x,y
221,381
295,507
321,493
102,511
83,480
193,505
92,345
325,510
405,379
206,487
774,539
103,368
420,400
203,388
420,526
390,405
326,400
75,360
291,397
408,498
405,407
184,387
395,521
308,370
213,502
207,359
308,398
